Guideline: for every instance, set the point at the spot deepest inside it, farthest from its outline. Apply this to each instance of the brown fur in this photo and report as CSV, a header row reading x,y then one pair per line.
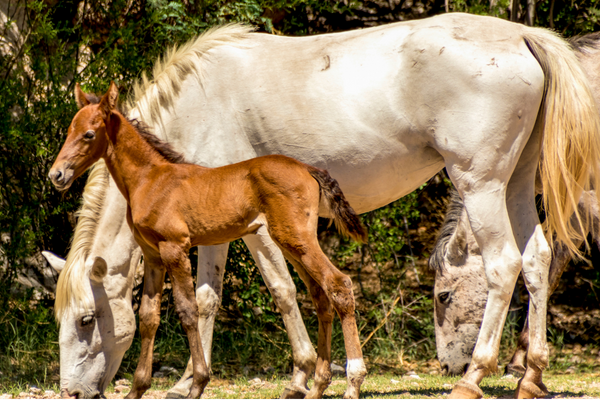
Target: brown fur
x,y
174,206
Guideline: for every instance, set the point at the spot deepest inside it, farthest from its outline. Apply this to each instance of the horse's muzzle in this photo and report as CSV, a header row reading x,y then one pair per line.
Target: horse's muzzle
x,y
61,177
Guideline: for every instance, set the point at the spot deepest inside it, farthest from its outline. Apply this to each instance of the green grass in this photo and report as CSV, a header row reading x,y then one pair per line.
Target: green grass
x,y
392,386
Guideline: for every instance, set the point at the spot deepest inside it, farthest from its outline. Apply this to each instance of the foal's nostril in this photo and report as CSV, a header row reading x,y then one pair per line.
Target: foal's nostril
x,y
56,176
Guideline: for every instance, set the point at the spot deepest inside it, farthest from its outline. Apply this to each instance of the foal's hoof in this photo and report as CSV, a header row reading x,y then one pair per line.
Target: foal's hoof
x,y
530,390
515,370
465,390
294,393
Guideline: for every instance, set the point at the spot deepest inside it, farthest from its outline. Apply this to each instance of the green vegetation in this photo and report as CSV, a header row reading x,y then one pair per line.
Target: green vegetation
x,y
61,43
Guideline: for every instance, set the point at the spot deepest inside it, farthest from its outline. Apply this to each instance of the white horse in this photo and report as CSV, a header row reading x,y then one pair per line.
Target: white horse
x,y
383,109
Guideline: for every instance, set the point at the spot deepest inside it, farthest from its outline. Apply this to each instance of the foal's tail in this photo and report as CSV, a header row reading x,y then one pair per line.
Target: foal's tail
x,y
344,216
570,123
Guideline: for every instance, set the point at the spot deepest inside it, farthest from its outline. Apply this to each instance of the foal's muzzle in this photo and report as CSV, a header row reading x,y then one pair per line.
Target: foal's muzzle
x,y
61,177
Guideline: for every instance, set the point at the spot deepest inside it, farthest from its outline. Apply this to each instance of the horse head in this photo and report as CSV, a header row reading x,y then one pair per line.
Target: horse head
x,y
87,137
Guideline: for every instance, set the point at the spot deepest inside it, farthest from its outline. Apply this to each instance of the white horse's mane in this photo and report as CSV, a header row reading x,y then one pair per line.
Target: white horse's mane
x,y
150,97
153,96
71,289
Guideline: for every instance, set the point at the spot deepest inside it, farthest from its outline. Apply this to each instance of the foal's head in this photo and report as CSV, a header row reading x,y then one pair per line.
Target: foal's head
x,y
87,137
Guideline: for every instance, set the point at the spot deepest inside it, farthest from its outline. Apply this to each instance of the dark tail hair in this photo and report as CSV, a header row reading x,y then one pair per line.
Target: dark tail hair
x,y
345,218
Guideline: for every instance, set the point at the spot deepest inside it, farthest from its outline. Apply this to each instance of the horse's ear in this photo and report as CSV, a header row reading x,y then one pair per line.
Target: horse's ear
x,y
98,270
82,101
56,262
109,100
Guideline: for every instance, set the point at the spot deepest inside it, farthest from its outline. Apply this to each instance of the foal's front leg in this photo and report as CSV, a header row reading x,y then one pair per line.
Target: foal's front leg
x,y
177,263
154,277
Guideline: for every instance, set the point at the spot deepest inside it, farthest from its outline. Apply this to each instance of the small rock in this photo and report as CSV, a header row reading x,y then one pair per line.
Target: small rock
x,y
448,385
256,381
571,370
123,382
49,393
411,376
6,396
35,390
257,311
508,376
23,394
394,381
167,370
158,374
121,388
337,370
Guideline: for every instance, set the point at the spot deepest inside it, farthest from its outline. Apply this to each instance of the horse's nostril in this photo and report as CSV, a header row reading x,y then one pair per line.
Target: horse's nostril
x,y
56,176
444,369
466,368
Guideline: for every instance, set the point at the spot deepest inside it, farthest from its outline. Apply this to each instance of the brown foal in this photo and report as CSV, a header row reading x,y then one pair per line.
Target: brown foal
x,y
173,206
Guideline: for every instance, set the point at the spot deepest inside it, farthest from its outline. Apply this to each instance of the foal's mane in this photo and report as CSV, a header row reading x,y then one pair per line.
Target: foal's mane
x,y
150,97
453,214
161,147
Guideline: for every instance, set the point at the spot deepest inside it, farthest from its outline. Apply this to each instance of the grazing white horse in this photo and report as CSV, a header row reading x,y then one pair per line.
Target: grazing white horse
x,y
382,109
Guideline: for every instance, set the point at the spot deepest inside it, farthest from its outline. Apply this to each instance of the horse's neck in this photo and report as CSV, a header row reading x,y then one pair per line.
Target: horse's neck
x,y
129,158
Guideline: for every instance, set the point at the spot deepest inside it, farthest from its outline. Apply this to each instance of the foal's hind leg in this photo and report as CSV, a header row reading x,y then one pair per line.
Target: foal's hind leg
x,y
325,316
175,258
304,249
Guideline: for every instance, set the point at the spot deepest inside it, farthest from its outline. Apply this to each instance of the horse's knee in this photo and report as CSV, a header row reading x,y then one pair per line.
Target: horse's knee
x,y
502,275
284,296
536,266
208,301
342,295
149,321
188,313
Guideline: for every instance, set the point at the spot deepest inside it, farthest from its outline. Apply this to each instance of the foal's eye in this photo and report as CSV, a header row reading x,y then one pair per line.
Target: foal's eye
x,y
444,297
89,135
88,319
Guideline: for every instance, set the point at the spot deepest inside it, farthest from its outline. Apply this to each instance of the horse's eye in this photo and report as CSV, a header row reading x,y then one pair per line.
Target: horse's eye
x,y
87,320
89,135
444,297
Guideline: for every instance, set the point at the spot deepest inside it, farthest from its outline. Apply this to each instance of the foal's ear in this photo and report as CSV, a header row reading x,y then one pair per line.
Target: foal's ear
x,y
80,98
109,100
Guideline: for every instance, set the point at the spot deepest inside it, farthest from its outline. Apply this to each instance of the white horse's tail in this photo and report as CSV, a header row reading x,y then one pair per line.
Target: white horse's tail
x,y
571,136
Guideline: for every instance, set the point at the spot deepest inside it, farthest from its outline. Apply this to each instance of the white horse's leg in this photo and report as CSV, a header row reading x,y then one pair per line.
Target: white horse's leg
x,y
502,261
537,256
504,221
209,289
274,271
